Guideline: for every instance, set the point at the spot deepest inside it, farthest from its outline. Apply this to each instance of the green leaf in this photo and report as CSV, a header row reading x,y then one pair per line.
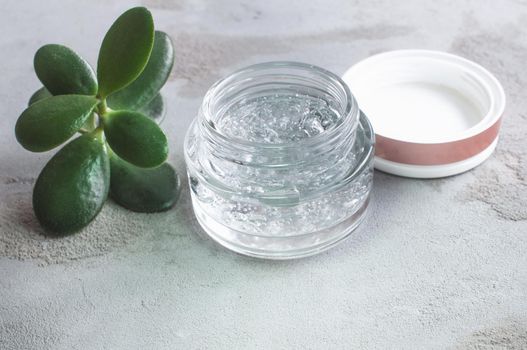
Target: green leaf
x,y
125,50
144,190
38,95
62,71
155,109
42,93
154,76
48,123
136,138
73,186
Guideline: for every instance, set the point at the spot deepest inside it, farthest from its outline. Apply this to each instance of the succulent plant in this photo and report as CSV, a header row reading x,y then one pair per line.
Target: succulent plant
x,y
121,150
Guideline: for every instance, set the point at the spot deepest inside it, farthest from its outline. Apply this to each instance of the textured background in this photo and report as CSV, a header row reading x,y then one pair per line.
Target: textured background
x,y
438,264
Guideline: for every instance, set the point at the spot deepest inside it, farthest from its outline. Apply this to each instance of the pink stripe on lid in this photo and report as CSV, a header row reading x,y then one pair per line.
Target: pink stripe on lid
x,y
435,153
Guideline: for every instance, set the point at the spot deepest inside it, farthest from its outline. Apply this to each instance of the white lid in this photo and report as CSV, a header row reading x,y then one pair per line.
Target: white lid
x,y
434,114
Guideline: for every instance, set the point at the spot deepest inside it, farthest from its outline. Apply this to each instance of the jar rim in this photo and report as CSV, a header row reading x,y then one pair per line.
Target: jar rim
x,y
350,111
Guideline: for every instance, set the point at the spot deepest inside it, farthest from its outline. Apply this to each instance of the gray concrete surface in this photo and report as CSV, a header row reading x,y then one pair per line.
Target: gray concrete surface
x,y
438,264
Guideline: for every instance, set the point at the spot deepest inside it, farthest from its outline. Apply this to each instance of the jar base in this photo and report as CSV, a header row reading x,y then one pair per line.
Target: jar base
x,y
279,248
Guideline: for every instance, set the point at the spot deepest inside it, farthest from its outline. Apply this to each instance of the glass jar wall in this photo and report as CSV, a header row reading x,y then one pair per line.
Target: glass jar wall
x,y
280,161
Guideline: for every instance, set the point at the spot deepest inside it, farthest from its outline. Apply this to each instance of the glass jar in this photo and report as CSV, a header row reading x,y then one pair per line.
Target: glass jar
x,y
280,161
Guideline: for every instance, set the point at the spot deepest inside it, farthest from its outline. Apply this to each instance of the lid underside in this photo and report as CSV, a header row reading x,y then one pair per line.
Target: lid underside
x,y
418,98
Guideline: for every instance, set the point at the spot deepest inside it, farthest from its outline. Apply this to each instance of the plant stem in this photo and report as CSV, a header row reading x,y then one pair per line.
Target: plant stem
x,y
99,134
102,108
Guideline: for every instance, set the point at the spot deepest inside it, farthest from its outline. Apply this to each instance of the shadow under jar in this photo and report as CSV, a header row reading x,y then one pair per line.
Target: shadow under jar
x,y
280,161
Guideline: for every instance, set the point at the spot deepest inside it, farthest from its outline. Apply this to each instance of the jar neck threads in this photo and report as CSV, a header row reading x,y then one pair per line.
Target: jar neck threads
x,y
265,84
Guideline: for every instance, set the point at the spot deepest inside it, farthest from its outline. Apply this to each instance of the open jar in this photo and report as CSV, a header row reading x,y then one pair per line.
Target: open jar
x,y
280,161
